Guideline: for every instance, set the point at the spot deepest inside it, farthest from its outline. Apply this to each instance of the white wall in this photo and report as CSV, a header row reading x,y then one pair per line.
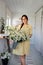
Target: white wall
x,y
42,34
39,30
2,9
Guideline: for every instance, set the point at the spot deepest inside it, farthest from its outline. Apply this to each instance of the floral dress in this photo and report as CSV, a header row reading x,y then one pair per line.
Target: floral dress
x,y
23,47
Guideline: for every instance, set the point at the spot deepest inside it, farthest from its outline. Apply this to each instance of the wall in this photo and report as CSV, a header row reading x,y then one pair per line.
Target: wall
x,y
42,34
2,9
39,30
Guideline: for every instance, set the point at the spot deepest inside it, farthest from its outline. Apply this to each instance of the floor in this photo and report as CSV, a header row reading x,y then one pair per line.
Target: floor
x,y
34,58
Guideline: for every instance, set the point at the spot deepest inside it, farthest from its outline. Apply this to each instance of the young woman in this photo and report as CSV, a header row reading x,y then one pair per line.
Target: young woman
x,y
22,49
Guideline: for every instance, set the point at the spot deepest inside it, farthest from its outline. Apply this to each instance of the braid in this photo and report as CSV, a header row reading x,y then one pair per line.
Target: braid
x,y
21,25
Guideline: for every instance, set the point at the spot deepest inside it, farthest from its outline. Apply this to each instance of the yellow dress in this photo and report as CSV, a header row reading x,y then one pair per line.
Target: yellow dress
x,y
23,47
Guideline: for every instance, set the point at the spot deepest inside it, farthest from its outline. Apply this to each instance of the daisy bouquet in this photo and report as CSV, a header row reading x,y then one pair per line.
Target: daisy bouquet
x,y
16,35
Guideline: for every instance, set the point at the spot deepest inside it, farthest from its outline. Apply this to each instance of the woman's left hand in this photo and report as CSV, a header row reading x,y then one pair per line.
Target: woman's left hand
x,y
30,35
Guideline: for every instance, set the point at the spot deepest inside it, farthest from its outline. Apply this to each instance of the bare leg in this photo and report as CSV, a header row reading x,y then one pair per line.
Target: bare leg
x,y
22,58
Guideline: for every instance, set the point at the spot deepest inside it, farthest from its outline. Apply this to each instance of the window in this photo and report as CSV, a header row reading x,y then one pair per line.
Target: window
x,y
8,21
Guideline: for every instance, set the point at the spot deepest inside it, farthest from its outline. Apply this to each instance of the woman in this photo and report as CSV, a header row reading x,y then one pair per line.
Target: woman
x,y
22,49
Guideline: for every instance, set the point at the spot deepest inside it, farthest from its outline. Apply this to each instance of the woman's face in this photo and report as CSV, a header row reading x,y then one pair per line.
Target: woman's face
x,y
24,20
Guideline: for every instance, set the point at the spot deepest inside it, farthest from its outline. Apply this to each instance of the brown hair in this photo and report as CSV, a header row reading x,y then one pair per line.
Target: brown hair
x,y
24,16
21,19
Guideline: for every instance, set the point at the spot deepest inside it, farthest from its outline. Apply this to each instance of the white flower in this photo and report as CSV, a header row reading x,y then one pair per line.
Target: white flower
x,y
17,35
5,55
